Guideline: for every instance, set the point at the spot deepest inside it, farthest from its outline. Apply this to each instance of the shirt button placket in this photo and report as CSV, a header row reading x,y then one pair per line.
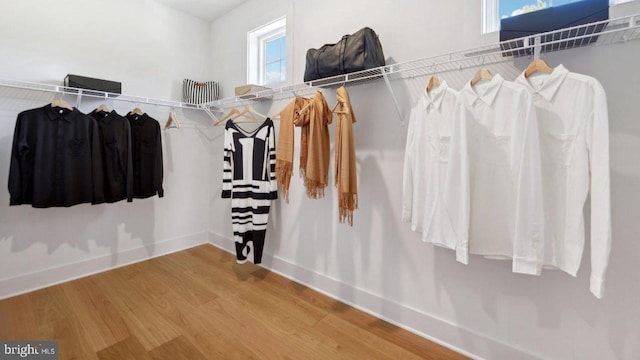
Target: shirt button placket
x,y
58,180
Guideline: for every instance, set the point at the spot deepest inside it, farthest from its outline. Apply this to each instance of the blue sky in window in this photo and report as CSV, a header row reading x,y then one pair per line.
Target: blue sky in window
x,y
276,49
514,7
275,61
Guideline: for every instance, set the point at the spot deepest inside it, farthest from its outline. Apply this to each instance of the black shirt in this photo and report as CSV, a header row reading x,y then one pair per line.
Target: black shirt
x,y
146,151
55,159
115,141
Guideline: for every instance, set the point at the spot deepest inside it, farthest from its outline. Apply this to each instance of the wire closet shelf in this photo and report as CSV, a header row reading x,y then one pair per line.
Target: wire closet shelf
x,y
612,31
67,90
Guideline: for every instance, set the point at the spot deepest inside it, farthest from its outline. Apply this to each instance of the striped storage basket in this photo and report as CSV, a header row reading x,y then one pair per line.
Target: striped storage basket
x,y
194,92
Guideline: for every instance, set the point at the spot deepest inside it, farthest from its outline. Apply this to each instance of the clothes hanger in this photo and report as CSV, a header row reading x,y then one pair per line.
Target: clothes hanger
x,y
136,111
172,122
482,74
434,82
306,107
102,107
537,65
249,113
250,110
62,104
224,117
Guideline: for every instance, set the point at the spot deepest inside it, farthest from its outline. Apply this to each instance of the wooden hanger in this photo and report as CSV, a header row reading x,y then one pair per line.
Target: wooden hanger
x,y
224,117
62,104
537,65
172,122
433,83
305,108
482,74
250,110
248,113
103,107
136,111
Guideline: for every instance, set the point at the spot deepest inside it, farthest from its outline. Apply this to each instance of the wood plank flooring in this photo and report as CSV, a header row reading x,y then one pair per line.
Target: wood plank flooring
x,y
199,304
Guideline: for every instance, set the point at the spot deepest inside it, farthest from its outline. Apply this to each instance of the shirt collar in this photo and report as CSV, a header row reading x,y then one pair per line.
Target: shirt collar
x,y
54,114
435,96
107,119
550,85
487,93
137,119
102,116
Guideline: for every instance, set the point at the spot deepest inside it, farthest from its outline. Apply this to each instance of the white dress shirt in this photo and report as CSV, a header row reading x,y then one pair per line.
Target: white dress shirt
x,y
425,167
574,142
494,186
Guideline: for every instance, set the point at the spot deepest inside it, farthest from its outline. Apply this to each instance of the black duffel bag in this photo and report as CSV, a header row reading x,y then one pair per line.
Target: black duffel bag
x,y
359,51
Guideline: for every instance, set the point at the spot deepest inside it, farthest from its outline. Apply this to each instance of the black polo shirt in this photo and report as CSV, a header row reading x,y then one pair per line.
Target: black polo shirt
x,y
115,141
56,159
146,154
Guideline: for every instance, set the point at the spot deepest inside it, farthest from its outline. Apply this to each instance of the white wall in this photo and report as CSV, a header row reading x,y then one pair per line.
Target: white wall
x,y
379,264
150,49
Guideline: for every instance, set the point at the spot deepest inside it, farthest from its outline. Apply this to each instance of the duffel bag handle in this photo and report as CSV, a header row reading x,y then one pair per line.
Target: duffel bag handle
x,y
318,56
343,48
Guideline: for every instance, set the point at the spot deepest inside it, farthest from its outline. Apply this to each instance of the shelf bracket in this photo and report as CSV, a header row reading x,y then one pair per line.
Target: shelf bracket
x,y
537,48
385,76
213,117
79,98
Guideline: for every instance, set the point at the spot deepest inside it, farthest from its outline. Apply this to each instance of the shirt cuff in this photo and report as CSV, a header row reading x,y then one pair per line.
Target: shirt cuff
x,y
226,194
161,193
526,266
597,286
406,215
462,255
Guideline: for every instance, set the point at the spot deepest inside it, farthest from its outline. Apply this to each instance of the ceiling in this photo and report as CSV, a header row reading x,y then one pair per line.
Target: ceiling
x,y
204,9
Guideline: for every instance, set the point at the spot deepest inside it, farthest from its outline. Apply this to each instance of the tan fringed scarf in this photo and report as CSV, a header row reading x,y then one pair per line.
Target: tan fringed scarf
x,y
346,175
315,145
286,142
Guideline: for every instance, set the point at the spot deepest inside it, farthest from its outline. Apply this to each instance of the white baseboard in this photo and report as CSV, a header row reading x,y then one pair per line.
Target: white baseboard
x,y
440,331
43,278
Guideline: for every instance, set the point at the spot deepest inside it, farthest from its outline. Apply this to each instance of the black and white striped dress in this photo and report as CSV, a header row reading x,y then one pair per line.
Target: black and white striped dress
x,y
249,179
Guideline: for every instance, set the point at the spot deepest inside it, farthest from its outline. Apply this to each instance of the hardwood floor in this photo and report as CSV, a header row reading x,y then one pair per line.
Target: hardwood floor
x,y
199,304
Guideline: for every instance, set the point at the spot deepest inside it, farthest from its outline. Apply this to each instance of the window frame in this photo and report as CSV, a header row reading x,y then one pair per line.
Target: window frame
x,y
256,52
491,14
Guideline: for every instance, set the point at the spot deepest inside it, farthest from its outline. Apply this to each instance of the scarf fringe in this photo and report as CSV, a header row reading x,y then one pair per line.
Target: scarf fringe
x,y
284,169
315,189
348,204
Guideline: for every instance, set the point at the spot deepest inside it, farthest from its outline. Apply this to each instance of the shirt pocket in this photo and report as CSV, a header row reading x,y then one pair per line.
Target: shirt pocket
x,y
557,149
492,149
78,147
444,148
148,145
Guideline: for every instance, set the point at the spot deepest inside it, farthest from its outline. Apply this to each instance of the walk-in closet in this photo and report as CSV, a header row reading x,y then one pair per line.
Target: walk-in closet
x,y
287,179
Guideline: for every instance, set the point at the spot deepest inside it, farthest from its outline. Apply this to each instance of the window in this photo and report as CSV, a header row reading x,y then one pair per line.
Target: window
x,y
494,10
267,62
